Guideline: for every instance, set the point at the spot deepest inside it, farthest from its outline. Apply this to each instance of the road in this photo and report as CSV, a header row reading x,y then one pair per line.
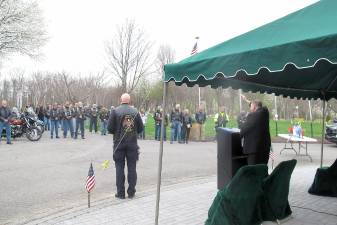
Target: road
x,y
39,178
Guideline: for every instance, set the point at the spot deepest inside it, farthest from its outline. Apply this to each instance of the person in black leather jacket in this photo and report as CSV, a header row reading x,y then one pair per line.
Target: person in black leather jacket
x,y
55,118
125,124
5,115
93,115
176,123
80,118
186,128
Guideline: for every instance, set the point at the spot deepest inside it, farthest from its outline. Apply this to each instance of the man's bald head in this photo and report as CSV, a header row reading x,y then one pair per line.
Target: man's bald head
x,y
4,103
125,98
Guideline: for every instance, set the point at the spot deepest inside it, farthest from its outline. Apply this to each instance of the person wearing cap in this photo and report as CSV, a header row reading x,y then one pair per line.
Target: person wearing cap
x,y
125,124
93,114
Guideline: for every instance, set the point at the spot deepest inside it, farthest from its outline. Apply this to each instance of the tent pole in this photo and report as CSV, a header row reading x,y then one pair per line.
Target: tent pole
x,y
323,130
160,163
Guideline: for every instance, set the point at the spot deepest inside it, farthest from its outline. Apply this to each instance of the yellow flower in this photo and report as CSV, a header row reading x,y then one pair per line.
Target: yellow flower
x,y
105,164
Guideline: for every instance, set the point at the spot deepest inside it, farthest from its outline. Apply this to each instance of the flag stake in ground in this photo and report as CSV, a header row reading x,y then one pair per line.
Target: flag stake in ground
x,y
90,183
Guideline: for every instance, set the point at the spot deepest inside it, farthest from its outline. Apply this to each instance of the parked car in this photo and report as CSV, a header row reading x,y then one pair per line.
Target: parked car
x,y
331,132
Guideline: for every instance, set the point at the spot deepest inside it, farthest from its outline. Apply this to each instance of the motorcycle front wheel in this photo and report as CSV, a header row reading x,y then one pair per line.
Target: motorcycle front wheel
x,y
33,134
41,128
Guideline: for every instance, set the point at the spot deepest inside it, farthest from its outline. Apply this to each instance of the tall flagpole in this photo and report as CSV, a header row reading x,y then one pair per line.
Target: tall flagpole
x,y
199,97
240,101
310,112
195,51
275,105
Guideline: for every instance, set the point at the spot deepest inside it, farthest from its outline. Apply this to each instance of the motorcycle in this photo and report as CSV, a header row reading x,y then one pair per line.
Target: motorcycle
x,y
27,125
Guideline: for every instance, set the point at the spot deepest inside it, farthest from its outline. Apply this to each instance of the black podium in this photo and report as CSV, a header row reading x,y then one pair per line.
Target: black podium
x,y
230,155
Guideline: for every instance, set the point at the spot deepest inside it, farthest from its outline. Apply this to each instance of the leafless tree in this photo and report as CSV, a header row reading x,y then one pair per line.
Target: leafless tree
x,y
22,29
128,55
165,55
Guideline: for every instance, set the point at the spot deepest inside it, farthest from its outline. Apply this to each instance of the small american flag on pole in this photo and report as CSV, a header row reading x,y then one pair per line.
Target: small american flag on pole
x,y
195,47
272,157
271,154
90,184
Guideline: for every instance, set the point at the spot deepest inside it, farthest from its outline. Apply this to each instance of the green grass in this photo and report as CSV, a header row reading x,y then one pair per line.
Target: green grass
x,y
282,128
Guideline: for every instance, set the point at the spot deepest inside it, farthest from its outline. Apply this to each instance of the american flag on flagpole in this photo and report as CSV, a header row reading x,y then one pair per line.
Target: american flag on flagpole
x,y
90,184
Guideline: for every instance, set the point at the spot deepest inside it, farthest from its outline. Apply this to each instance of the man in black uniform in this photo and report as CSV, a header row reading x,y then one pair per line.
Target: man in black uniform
x,y
93,114
125,124
255,133
80,118
55,117
67,115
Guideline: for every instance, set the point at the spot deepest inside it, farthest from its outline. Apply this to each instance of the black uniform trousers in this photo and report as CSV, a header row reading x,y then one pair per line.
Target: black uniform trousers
x,y
258,158
93,123
128,152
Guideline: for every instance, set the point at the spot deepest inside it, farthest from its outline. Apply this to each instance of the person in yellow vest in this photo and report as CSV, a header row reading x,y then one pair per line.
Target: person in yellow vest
x,y
221,118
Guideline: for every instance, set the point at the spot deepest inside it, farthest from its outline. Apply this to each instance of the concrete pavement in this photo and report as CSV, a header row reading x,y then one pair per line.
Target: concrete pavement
x,y
45,184
187,203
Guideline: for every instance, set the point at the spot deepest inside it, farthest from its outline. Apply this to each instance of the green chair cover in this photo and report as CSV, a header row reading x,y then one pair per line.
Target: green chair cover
x,y
216,213
325,181
276,191
240,201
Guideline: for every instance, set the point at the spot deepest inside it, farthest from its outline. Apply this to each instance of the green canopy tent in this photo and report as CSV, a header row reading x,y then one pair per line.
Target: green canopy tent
x,y
295,56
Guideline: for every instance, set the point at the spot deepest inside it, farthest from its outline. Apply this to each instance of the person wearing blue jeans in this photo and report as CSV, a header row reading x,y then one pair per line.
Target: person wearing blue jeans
x,y
46,123
104,117
55,116
67,116
176,123
80,117
5,114
47,118
157,120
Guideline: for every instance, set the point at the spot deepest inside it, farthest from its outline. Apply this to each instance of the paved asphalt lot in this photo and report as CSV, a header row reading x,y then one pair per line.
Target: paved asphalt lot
x,y
42,178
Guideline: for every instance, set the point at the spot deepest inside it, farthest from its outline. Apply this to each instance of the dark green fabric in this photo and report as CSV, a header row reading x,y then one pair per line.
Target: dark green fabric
x,y
239,202
293,56
276,191
216,214
325,181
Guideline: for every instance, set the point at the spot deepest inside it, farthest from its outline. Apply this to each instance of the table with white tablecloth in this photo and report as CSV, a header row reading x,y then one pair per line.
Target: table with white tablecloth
x,y
302,144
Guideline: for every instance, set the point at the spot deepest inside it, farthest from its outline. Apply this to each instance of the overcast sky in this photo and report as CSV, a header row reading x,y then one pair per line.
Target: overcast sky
x,y
79,28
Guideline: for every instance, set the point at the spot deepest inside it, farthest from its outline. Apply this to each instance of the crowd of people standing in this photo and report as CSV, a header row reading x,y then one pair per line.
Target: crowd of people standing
x,y
71,119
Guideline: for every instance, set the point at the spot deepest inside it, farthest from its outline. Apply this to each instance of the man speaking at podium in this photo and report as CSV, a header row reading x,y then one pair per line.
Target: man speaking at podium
x,y
255,134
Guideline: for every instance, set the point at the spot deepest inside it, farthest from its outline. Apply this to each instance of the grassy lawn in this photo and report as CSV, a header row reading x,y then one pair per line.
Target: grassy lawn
x,y
282,128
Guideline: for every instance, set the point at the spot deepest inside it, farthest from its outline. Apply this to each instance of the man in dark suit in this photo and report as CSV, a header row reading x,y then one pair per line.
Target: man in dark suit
x,y
255,134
